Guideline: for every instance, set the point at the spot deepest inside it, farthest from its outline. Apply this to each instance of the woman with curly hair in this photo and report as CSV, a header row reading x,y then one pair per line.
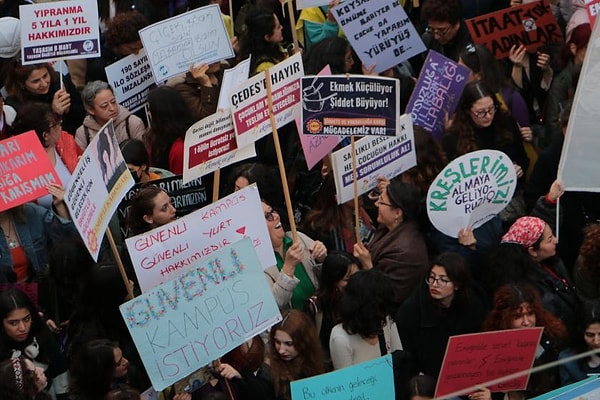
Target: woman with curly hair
x,y
366,330
481,123
588,338
447,303
170,120
586,271
516,306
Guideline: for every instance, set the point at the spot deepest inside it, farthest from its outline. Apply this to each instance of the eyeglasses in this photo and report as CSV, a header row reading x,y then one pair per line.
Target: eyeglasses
x,y
441,32
482,113
270,215
378,201
442,281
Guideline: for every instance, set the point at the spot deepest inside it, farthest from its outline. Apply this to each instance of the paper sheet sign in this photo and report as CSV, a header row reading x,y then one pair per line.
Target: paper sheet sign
x,y
470,191
26,170
185,323
531,25
480,357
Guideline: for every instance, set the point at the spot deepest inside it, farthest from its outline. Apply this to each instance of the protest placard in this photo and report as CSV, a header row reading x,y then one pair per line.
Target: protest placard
x,y
387,156
173,249
188,321
587,389
316,147
232,77
249,103
531,25
379,31
373,379
131,79
301,4
60,29
197,36
350,105
210,145
97,185
26,170
437,92
578,167
185,197
476,358
593,7
470,191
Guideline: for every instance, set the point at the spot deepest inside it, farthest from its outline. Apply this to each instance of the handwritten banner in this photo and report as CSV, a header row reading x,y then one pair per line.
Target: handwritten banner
x,y
470,191
198,36
175,248
379,31
372,379
97,185
437,92
531,25
187,322
480,357
58,30
26,170
350,105
387,156
249,103
185,197
210,145
131,79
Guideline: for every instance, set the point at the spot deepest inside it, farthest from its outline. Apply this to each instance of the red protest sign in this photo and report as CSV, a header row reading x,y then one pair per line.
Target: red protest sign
x,y
593,8
531,25
477,358
25,170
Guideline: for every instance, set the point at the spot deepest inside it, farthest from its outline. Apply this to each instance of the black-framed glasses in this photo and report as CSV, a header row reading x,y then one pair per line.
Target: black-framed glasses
x,y
441,32
270,215
482,113
378,201
440,281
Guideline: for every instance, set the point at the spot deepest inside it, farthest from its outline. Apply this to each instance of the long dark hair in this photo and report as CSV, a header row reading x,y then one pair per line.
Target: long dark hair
x,y
92,369
13,299
260,22
25,388
334,268
18,74
142,204
463,126
330,51
458,273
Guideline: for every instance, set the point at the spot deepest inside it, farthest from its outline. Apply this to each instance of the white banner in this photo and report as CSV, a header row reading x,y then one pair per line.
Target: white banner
x,y
131,79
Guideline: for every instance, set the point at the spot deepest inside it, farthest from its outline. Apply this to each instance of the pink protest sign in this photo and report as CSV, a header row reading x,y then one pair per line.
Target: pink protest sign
x,y
25,170
477,358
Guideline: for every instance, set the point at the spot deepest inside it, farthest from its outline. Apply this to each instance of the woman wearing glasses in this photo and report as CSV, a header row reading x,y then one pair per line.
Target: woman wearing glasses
x,y
446,304
294,279
480,123
398,248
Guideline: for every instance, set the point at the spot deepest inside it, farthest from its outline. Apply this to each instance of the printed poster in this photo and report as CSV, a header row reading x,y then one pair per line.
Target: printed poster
x,y
58,30
195,318
470,191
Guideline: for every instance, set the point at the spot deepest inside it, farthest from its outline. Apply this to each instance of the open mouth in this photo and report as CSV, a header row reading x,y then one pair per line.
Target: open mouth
x,y
278,225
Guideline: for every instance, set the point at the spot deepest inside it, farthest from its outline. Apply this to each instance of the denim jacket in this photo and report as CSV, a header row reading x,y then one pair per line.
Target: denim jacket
x,y
39,231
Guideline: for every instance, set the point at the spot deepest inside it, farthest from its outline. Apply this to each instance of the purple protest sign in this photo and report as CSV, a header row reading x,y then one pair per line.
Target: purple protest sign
x,y
437,92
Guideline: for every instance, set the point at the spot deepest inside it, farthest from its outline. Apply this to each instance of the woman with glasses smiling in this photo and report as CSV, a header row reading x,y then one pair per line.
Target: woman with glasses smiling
x,y
447,303
480,123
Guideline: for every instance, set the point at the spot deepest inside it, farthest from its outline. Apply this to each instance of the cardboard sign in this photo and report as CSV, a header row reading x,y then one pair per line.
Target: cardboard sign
x,y
315,148
131,79
470,191
373,379
480,357
387,156
57,30
185,197
25,170
531,25
232,77
587,389
578,167
437,92
379,31
350,105
188,321
249,103
210,145
173,249
593,7
198,36
97,185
